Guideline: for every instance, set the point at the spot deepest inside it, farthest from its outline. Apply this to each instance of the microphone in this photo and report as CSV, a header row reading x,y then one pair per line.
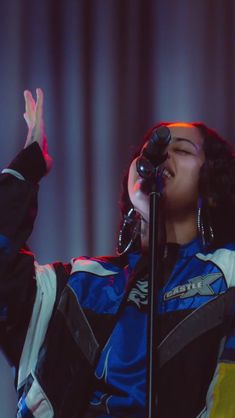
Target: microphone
x,y
154,153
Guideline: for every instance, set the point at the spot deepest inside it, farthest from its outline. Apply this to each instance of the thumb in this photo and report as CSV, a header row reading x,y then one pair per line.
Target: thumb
x,y
26,118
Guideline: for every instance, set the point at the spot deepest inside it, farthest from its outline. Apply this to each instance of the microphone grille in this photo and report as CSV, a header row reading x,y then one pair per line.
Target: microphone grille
x,y
161,136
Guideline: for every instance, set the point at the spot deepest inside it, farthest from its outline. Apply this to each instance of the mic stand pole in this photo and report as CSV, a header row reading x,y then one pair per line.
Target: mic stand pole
x,y
152,336
149,167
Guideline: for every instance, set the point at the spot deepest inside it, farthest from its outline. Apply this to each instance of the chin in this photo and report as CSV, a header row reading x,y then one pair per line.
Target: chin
x,y
144,236
142,207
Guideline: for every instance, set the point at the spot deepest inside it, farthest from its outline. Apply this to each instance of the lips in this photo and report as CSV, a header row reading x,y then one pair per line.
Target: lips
x,y
167,173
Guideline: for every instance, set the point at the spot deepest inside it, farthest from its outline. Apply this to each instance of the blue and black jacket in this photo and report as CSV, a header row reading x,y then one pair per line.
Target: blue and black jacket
x,y
59,322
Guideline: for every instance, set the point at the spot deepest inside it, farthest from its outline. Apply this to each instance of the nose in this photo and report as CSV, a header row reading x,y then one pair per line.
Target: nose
x,y
169,152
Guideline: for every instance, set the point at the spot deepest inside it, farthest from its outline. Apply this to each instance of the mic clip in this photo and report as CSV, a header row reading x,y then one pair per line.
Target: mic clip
x,y
147,169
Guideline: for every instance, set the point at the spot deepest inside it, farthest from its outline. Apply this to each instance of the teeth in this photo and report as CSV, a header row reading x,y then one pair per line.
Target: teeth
x,y
166,173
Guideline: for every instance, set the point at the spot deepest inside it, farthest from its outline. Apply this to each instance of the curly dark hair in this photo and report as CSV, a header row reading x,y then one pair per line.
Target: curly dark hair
x,y
216,184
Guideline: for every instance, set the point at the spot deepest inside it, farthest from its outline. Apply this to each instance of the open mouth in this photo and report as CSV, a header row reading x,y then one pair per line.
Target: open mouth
x,y
167,173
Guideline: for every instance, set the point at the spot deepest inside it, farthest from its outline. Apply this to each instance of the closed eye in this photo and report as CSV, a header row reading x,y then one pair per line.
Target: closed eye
x,y
182,151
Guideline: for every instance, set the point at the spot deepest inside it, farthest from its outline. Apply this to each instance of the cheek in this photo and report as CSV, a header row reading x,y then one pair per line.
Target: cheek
x,y
189,178
133,180
190,169
139,200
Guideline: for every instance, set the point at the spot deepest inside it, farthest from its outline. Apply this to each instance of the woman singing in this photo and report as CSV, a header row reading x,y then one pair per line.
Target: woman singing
x,y
76,333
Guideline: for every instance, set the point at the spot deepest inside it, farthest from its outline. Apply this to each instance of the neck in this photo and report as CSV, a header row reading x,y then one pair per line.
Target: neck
x,y
181,229
178,229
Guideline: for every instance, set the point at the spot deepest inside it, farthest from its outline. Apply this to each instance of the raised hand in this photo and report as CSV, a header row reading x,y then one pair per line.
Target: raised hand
x,y
34,119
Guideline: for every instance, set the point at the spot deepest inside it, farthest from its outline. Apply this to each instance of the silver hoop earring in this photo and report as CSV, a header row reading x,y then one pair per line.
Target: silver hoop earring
x,y
200,226
205,230
129,231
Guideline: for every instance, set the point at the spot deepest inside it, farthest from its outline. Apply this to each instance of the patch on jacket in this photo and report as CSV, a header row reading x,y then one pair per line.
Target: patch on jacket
x,y
199,285
139,294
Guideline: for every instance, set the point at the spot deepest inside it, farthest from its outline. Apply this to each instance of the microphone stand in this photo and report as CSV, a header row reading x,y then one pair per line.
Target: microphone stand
x,y
152,322
148,167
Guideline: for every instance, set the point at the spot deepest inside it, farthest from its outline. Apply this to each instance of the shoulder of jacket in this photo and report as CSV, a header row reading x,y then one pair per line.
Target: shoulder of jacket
x,y
224,258
100,266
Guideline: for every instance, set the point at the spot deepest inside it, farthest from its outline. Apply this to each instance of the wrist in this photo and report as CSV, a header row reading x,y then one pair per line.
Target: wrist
x,y
30,163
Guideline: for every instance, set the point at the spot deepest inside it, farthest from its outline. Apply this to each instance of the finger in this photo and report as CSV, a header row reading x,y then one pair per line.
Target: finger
x,y
26,118
29,104
29,99
39,105
39,124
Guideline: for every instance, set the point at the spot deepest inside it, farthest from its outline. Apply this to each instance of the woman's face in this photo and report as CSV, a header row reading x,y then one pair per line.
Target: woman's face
x,y
180,179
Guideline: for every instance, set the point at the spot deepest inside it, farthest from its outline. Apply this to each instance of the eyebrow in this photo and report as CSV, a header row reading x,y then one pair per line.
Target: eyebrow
x,y
179,139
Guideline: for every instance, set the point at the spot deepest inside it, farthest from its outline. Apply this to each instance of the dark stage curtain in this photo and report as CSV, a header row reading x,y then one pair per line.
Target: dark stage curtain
x,y
109,69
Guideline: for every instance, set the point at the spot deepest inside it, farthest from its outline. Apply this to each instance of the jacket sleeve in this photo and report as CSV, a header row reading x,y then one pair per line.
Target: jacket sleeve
x,y
220,401
18,209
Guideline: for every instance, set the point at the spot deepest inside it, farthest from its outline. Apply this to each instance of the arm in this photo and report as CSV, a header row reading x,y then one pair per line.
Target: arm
x,y
19,184
220,402
18,208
